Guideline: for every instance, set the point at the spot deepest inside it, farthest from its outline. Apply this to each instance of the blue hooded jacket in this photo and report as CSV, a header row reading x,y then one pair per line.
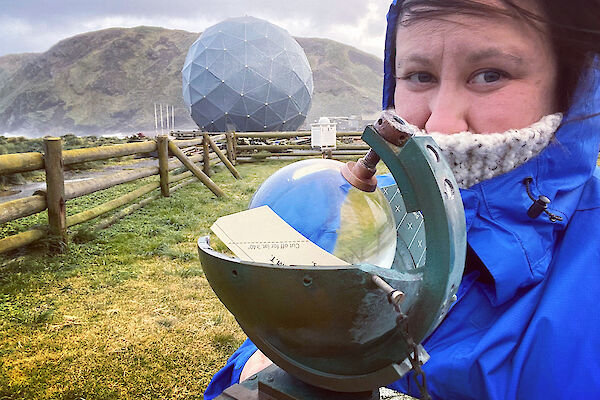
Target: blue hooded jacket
x,y
526,323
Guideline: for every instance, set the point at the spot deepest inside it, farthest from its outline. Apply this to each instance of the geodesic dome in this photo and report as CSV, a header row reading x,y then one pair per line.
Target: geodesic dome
x,y
248,75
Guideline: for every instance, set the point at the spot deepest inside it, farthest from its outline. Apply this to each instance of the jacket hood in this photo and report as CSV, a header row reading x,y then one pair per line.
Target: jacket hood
x,y
515,248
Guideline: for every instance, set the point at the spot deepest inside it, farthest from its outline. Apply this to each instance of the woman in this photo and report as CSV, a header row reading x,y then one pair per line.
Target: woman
x,y
497,78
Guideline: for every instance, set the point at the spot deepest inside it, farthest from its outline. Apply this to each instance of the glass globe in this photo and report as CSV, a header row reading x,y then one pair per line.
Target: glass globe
x,y
314,198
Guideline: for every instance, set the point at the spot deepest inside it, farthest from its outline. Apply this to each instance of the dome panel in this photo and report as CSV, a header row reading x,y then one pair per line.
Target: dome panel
x,y
266,46
186,94
303,100
252,105
292,111
275,94
235,80
232,67
253,81
259,93
239,108
227,96
295,83
205,82
234,30
255,28
271,116
216,42
185,73
200,61
280,108
259,117
294,123
257,60
194,95
238,52
201,119
207,109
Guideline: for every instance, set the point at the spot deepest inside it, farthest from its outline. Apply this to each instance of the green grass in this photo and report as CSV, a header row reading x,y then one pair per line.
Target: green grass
x,y
127,312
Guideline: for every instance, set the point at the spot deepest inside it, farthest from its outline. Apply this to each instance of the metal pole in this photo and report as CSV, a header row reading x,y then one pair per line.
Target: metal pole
x,y
168,120
161,121
155,121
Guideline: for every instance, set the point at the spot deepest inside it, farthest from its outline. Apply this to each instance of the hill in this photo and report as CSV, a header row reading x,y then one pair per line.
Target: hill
x,y
107,81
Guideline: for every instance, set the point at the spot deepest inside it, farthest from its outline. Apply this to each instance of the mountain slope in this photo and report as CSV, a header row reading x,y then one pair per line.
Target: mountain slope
x,y
10,63
107,81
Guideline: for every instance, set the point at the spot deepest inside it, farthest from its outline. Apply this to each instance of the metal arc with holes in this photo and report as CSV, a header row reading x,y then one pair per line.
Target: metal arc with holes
x,y
332,327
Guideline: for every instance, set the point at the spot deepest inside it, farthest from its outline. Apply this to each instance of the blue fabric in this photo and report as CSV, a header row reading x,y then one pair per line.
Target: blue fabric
x,y
532,331
389,70
230,373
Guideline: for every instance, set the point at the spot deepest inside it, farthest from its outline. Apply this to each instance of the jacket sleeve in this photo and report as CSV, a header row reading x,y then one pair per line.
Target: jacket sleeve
x,y
230,374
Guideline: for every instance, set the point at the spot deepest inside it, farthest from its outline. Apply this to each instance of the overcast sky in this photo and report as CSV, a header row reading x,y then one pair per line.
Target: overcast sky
x,y
35,25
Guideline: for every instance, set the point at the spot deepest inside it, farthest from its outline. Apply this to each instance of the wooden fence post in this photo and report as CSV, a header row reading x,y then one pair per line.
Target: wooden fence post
x,y
195,170
230,146
55,191
234,147
162,142
223,158
206,153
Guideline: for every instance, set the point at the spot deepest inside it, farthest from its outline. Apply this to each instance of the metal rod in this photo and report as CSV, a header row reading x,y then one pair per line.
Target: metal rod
x,y
168,119
395,296
155,120
162,132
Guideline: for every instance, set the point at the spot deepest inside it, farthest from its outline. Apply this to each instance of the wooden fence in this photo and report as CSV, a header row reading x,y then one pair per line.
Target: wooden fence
x,y
58,191
355,147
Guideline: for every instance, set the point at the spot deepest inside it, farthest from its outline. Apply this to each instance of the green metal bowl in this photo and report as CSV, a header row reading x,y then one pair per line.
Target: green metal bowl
x,y
332,327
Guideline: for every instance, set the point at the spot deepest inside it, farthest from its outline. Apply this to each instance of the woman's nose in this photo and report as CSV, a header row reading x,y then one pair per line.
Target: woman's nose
x,y
448,111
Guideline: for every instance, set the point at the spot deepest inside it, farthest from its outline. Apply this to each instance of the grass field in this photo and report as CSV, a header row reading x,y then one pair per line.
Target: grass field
x,y
127,312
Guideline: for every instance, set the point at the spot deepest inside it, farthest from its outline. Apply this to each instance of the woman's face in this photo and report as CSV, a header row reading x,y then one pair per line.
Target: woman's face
x,y
467,73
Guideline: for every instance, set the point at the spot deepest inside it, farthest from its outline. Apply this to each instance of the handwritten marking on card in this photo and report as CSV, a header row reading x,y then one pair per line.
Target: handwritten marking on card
x,y
260,235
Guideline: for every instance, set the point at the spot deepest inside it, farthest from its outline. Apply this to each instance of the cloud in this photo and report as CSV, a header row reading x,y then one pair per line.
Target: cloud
x,y
36,25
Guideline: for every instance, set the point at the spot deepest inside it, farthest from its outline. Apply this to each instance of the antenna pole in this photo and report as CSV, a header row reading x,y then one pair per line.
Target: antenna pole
x,y
155,120
161,121
168,120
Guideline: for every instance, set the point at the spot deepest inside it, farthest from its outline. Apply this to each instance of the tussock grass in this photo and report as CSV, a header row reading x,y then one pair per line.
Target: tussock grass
x,y
126,313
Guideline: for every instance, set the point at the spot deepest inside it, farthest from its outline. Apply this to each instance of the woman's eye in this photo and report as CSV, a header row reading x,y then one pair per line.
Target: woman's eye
x,y
485,77
420,77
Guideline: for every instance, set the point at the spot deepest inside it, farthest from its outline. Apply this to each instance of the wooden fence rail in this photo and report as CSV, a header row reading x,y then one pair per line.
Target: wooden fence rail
x,y
58,192
26,206
282,135
282,147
